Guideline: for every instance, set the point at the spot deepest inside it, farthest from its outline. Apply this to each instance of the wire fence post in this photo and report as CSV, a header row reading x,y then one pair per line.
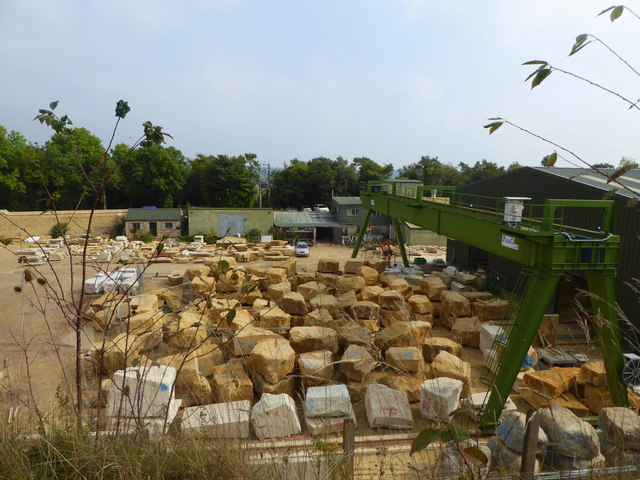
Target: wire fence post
x,y
530,446
349,445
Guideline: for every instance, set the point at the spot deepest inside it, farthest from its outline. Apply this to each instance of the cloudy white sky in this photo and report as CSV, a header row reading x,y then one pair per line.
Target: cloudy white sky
x,y
389,79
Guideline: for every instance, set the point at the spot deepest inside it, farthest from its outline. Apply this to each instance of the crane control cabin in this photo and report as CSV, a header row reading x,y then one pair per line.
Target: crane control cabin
x,y
543,245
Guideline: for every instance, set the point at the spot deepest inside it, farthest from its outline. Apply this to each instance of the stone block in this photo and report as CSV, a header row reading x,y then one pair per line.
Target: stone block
x,y
488,334
329,280
562,462
349,283
389,317
275,416
197,271
273,359
294,303
621,427
141,392
284,385
246,339
494,309
328,302
365,310
552,382
379,264
439,398
402,334
406,359
352,334
447,365
401,286
328,401
218,420
316,368
466,331
391,300
432,287
278,290
539,400
431,346
596,398
327,425
619,457
369,274
420,304
328,265
275,275
351,266
357,362
231,383
274,317
308,339
569,435
310,289
408,383
594,373
387,408
370,293
511,432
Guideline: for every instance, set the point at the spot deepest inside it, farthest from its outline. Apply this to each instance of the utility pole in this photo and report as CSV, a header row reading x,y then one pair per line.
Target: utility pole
x,y
261,165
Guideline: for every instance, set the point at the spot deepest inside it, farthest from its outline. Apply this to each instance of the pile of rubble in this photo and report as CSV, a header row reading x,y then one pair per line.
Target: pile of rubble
x,y
267,334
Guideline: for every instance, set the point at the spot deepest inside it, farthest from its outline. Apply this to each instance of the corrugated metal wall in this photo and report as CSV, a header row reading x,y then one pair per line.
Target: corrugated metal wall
x,y
538,185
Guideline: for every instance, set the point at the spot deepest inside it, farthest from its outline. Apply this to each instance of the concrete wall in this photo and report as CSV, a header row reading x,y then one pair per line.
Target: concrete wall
x,y
23,224
415,236
206,220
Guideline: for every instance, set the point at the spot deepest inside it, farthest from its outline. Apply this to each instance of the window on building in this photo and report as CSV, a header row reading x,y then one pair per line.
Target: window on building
x,y
135,226
378,214
353,212
168,226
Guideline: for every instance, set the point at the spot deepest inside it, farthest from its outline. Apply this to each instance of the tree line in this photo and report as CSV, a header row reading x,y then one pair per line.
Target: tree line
x,y
40,177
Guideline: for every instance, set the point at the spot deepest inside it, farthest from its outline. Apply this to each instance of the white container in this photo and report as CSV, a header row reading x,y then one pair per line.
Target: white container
x,y
266,238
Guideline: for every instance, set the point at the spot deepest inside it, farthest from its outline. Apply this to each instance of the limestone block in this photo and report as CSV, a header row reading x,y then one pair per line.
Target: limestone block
x,y
260,304
387,408
308,339
420,304
321,318
274,317
373,325
185,333
594,373
567,400
197,271
475,296
241,319
439,398
278,290
389,317
275,416
294,304
203,286
275,275
214,263
175,279
511,432
218,420
406,359
465,278
330,280
597,398
365,310
327,425
328,265
273,359
621,427
348,283
432,287
401,286
431,346
370,293
352,266
424,317
369,274
408,383
453,305
285,385
246,339
494,309
561,462
171,298
466,331
569,435
316,368
352,334
620,457
402,334
346,301
357,362
328,302
447,365
328,401
194,388
552,382
391,299
231,383
505,460
488,334
231,281
452,464
149,320
379,264
141,392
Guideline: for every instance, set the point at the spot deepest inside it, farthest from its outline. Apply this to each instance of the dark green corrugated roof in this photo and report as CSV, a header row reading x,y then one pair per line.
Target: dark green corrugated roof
x,y
153,214
304,219
347,200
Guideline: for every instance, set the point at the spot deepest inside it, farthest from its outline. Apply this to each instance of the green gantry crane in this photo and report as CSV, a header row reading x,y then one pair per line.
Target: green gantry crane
x,y
543,246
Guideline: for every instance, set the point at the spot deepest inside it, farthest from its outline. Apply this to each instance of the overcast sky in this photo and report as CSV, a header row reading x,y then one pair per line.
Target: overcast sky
x,y
388,79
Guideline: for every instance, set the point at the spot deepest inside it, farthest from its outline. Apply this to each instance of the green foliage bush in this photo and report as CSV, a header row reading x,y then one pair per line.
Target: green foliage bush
x,y
253,235
5,241
59,230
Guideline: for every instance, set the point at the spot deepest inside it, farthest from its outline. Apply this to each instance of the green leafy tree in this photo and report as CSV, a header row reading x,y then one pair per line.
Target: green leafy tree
x,y
16,154
223,181
367,169
288,185
150,175
482,170
431,171
514,166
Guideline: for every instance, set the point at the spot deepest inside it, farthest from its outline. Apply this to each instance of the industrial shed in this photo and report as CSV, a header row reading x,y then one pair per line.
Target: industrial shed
x,y
160,222
543,183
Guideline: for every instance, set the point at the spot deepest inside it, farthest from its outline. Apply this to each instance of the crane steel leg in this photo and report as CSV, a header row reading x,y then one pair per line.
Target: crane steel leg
x,y
363,229
603,301
403,252
536,298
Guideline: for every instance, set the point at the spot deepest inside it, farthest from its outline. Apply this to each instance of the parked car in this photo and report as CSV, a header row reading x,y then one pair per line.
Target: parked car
x,y
306,209
320,207
301,250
